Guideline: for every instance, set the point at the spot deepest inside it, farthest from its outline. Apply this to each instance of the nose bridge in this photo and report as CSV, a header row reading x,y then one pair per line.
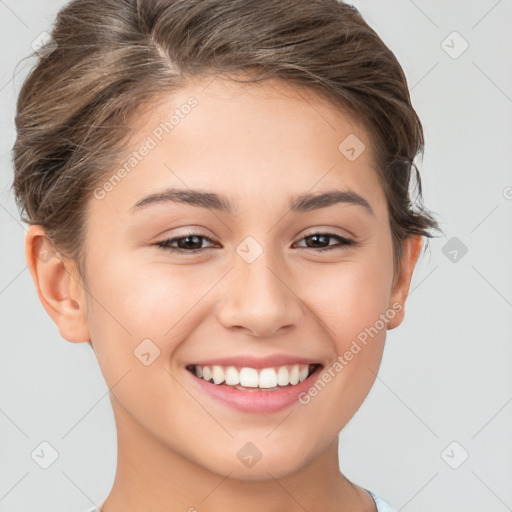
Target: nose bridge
x,y
257,296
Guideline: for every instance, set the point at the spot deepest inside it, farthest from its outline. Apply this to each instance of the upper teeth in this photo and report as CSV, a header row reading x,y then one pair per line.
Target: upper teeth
x,y
252,378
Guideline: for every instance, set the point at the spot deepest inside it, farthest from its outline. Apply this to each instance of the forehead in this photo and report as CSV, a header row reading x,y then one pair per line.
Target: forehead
x,y
256,140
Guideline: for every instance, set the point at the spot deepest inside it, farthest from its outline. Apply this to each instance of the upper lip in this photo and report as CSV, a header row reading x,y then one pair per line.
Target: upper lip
x,y
256,362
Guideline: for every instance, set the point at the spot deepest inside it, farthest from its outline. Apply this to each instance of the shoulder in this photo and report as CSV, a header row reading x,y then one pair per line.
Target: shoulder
x,y
382,506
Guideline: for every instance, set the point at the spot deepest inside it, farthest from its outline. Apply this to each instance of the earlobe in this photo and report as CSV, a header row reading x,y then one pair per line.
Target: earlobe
x,y
411,249
58,285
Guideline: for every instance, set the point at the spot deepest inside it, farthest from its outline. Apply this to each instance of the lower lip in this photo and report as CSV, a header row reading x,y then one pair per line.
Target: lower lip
x,y
255,401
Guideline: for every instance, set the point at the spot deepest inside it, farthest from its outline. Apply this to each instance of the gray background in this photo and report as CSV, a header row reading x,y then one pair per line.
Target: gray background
x,y
446,375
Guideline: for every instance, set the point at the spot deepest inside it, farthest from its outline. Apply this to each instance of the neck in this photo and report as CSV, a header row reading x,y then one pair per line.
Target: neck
x,y
151,476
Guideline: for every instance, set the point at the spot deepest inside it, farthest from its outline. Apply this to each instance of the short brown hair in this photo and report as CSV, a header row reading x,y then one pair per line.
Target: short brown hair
x,y
113,56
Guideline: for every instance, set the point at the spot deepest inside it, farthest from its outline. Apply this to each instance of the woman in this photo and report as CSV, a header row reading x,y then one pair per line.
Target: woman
x,y
219,201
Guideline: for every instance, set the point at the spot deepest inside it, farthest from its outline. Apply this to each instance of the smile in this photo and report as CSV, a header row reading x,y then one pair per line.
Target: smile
x,y
252,379
253,385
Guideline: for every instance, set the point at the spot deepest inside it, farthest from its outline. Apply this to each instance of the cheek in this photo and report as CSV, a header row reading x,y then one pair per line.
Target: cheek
x,y
351,297
353,303
131,301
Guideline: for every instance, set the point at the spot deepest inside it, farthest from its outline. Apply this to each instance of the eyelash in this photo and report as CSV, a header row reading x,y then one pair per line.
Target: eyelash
x,y
165,244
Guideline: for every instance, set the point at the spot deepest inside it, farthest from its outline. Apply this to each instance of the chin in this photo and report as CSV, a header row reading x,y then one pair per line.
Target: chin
x,y
262,469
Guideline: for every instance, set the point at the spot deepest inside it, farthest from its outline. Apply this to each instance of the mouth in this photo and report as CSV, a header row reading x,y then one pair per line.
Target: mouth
x,y
253,379
254,386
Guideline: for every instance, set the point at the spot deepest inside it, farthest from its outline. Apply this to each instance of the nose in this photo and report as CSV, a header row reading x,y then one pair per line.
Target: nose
x,y
259,298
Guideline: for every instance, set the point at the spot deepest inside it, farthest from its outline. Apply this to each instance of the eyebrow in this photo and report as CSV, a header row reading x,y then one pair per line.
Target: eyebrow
x,y
303,203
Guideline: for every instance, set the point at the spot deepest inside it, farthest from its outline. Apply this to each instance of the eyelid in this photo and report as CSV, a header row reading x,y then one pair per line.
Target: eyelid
x,y
343,242
164,244
329,231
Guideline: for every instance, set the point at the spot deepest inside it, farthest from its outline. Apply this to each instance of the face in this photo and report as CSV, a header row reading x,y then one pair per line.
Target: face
x,y
243,244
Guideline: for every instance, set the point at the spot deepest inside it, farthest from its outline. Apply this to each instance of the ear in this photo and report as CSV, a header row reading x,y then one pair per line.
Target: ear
x,y
58,285
411,249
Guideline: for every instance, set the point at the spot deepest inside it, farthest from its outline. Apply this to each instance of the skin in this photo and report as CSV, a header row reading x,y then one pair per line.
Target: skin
x,y
259,145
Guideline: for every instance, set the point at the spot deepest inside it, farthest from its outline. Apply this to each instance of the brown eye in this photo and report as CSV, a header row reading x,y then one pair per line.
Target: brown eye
x,y
320,241
191,243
